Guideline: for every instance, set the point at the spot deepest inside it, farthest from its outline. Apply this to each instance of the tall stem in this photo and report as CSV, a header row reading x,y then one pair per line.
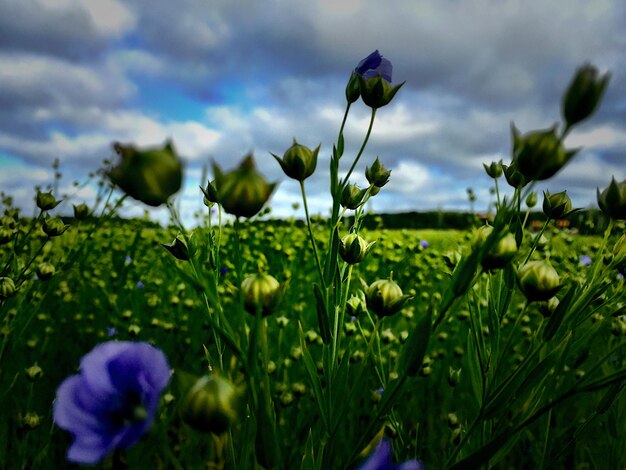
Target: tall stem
x,y
311,237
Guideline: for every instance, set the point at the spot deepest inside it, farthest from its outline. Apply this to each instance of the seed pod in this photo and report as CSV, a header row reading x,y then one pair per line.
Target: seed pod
x,y
210,405
261,291
377,175
298,162
46,201
557,205
384,297
612,200
353,248
538,280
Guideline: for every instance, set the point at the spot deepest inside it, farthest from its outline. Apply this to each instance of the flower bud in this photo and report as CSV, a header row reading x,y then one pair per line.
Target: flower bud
x,y
538,280
557,205
583,94
531,200
81,211
539,154
6,235
377,175
352,196
298,162
210,405
53,227
454,376
547,307
181,249
148,175
45,271
356,305
46,201
612,200
501,253
353,248
494,170
513,176
242,191
384,297
261,291
34,373
377,92
210,194
7,288
353,88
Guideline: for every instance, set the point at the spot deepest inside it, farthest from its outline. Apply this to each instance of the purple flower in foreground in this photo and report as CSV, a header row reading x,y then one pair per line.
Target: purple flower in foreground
x,y
112,402
585,260
381,459
374,65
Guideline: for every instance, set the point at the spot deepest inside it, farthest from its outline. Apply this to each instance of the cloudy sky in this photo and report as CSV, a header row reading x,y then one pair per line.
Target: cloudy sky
x,y
225,77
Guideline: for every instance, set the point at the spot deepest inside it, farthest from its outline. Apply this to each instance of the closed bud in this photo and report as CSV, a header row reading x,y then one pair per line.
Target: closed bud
x,y
531,200
583,94
7,288
353,248
612,200
261,291
513,176
242,191
6,235
356,305
46,201
454,376
501,253
494,170
34,373
45,271
180,248
81,211
210,405
298,162
384,297
353,88
149,175
352,196
210,194
547,307
557,205
53,227
377,175
538,280
539,154
377,91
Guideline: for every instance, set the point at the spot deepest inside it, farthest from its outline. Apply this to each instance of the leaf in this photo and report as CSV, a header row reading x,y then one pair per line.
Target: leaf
x,y
313,376
416,346
474,367
322,314
559,313
331,263
340,146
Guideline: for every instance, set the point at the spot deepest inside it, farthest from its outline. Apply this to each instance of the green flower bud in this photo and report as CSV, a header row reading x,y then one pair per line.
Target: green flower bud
x,y
377,175
377,92
29,421
384,297
352,197
494,170
353,88
53,227
583,94
242,191
261,291
538,280
547,307
81,211
210,194
181,249
454,376
210,405
6,235
612,200
356,305
45,271
148,175
46,201
298,162
557,205
513,176
34,373
8,222
7,288
531,200
501,253
353,248
539,154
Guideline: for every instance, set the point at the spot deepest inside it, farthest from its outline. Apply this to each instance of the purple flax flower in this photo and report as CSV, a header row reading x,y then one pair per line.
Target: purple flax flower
x,y
381,459
111,331
374,65
424,244
140,285
112,402
585,260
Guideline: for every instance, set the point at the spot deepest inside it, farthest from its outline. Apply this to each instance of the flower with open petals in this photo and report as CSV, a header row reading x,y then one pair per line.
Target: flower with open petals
x,y
374,81
112,402
381,459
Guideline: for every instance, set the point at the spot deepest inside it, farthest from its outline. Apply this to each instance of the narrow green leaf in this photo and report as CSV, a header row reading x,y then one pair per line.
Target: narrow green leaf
x,y
322,314
416,346
473,369
340,146
331,263
316,385
556,319
609,397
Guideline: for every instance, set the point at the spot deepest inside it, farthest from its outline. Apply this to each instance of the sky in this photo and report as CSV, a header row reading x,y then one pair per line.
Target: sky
x,y
222,78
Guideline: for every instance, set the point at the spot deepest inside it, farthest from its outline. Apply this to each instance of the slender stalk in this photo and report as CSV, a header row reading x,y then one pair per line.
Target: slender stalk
x,y
311,237
358,155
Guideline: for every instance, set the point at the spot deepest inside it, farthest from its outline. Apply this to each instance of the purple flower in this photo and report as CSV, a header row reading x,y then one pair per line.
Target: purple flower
x,y
128,260
111,331
585,260
140,285
223,270
374,65
112,402
424,244
381,459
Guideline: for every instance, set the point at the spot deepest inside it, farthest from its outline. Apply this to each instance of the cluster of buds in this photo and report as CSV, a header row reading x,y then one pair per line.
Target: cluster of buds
x,y
149,175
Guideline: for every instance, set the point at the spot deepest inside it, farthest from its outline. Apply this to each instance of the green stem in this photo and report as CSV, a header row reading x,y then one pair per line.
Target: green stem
x,y
358,156
536,241
311,237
